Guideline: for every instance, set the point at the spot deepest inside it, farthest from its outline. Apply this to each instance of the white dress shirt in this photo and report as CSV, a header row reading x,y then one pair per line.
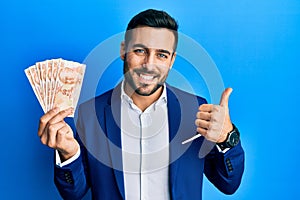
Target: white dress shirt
x,y
145,149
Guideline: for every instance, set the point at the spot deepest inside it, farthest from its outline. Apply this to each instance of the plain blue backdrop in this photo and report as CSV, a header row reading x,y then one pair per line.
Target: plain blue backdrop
x,y
254,43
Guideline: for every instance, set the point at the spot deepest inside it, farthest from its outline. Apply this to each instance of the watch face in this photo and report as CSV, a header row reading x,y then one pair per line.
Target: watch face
x,y
234,139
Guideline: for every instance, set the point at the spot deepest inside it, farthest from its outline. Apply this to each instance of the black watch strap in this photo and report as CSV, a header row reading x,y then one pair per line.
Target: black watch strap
x,y
231,140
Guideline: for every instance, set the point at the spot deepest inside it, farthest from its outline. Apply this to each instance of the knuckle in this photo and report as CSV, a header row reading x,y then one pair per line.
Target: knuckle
x,y
201,106
200,124
213,118
200,115
52,128
209,116
199,130
60,132
202,131
208,125
49,144
43,120
216,108
51,122
204,115
216,115
43,142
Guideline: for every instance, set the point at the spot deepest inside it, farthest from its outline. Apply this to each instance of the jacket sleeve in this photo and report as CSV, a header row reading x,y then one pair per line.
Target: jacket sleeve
x,y
225,170
71,180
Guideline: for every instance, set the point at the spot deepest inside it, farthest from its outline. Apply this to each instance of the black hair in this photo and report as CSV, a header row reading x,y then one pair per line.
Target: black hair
x,y
153,18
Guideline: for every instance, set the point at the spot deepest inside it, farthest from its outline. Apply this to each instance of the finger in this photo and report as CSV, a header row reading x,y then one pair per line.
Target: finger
x,y
64,133
204,115
52,132
206,107
202,123
44,120
65,142
225,97
61,115
202,131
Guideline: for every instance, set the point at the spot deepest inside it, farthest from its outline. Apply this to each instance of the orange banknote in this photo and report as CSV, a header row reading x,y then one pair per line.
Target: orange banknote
x,y
56,83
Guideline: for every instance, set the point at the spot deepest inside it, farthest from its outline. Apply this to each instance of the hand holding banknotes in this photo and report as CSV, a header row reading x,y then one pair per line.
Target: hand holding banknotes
x,y
57,134
57,84
213,121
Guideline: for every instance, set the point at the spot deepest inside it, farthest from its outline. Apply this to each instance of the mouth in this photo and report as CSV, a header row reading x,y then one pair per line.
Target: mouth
x,y
146,78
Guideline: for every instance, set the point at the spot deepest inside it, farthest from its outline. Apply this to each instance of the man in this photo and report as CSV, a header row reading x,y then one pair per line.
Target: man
x,y
129,140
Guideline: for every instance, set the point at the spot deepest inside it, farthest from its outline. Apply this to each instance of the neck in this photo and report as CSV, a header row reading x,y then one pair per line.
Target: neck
x,y
142,102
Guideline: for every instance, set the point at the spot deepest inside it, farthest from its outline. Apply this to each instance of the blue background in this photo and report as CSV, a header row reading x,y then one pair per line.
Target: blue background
x,y
254,43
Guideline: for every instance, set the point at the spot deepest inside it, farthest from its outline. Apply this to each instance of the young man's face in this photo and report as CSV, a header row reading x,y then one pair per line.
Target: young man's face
x,y
148,57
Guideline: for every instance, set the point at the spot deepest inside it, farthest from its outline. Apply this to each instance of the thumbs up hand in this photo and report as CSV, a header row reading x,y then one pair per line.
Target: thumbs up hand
x,y
213,121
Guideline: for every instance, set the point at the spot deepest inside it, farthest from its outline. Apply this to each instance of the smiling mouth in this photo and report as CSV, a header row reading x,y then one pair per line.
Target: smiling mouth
x,y
146,77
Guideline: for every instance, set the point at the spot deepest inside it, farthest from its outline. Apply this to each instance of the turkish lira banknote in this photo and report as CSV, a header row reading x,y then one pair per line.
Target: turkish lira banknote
x,y
56,83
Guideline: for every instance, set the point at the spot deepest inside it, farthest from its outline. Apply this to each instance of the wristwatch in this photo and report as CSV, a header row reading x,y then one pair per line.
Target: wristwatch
x,y
233,138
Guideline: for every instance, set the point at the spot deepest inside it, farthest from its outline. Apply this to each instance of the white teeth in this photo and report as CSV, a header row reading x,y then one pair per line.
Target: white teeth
x,y
148,78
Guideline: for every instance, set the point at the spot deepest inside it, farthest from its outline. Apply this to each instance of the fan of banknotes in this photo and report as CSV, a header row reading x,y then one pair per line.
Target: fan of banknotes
x,y
56,83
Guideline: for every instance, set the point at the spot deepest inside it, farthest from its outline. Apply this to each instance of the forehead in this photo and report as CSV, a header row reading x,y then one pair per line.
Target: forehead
x,y
156,38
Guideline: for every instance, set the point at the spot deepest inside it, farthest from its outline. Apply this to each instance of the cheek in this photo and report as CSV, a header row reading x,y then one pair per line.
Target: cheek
x,y
133,61
165,70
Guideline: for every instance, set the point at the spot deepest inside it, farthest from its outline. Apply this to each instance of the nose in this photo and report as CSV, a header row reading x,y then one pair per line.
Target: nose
x,y
150,57
149,60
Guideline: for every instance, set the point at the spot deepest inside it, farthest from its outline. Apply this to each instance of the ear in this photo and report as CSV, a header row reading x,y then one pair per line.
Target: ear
x,y
173,60
122,50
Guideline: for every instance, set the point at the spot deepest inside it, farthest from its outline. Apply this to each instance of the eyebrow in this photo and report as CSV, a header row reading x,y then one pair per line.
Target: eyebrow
x,y
159,50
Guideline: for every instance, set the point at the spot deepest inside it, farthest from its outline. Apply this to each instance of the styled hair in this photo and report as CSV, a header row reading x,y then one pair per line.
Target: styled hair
x,y
153,18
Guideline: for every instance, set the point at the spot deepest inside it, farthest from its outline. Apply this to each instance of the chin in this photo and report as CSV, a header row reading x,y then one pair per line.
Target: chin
x,y
147,92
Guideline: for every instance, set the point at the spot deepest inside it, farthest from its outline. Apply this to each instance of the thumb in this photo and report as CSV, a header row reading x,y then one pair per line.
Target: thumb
x,y
225,97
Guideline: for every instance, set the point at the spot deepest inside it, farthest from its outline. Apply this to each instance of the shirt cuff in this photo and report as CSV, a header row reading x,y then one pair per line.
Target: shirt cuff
x,y
61,164
220,150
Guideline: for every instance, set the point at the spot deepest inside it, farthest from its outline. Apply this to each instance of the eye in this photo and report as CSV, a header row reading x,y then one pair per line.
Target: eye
x,y
139,51
162,56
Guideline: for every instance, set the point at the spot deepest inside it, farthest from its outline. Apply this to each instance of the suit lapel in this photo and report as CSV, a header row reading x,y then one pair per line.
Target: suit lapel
x,y
174,116
112,116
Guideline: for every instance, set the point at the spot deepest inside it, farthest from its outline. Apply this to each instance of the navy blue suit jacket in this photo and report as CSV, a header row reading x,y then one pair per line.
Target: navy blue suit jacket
x,y
99,166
